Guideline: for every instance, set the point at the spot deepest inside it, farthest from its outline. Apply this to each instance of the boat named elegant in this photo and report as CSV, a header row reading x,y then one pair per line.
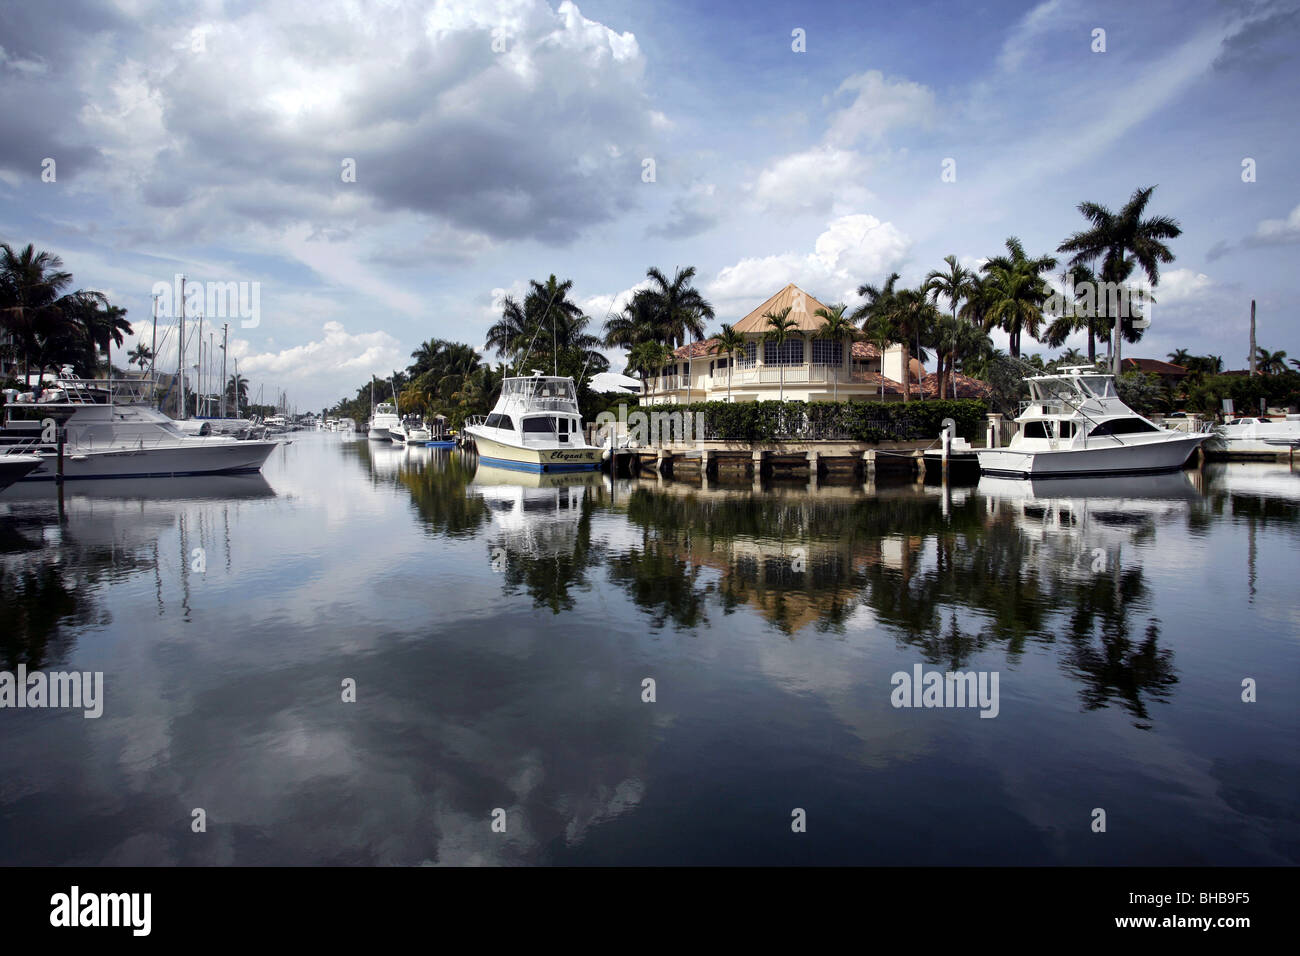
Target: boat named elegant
x,y
535,426
1075,425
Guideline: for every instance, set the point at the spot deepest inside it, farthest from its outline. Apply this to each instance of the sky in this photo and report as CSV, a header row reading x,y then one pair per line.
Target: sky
x,y
383,173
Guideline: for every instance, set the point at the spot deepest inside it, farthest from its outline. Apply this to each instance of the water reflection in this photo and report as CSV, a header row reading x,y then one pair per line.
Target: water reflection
x,y
58,553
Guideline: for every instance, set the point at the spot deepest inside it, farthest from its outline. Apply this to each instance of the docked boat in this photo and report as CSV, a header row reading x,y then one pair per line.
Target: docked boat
x,y
15,467
1253,435
535,426
1075,425
410,430
112,432
382,421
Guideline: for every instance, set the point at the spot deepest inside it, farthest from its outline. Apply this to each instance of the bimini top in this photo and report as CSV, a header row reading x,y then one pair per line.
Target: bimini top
x,y
551,393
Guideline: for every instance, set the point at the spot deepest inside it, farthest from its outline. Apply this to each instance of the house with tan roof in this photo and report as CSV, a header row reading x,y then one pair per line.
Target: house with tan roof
x,y
812,367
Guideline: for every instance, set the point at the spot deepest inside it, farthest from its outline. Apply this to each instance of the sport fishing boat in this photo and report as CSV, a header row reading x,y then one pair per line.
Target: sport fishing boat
x,y
535,426
383,420
1074,425
1251,435
410,430
111,431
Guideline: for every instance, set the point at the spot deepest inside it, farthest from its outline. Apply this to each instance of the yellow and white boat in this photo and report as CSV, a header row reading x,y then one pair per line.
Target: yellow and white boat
x,y
535,426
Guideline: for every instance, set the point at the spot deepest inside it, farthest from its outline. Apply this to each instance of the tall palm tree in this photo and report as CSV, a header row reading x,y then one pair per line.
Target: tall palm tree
x,y
837,327
1123,240
105,324
637,323
876,316
954,285
780,327
730,343
552,314
1014,293
914,319
1179,357
1270,363
510,335
879,331
679,308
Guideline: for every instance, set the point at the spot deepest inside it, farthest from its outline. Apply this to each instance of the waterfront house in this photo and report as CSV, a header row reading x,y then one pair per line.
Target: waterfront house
x,y
814,368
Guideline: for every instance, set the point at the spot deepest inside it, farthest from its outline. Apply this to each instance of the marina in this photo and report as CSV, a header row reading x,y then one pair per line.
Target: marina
x,y
1112,609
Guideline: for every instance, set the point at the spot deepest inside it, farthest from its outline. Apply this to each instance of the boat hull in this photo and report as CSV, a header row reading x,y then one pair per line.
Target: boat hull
x,y
197,457
502,455
16,467
1132,459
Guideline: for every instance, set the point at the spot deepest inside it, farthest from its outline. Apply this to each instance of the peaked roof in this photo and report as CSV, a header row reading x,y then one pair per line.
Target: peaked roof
x,y
801,304
1153,365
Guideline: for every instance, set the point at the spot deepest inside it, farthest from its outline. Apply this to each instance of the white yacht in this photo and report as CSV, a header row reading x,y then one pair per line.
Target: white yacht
x,y
1074,425
111,431
1258,434
383,420
535,426
410,430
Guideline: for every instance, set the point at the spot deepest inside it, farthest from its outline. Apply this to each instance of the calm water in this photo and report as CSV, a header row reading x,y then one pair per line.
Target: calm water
x,y
499,636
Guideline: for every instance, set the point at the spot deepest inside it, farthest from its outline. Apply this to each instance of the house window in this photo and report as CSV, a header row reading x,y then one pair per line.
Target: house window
x,y
827,352
748,357
790,352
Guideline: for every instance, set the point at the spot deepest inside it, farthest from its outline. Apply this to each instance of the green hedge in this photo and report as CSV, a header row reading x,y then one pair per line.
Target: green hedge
x,y
828,421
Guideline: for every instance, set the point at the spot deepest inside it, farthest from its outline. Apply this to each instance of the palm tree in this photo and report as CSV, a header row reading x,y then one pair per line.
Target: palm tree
x,y
876,316
879,331
678,307
914,318
969,342
1071,357
1179,357
237,391
1270,363
141,355
780,328
837,327
1014,293
728,342
1122,240
105,324
510,334
954,285
31,283
637,323
649,358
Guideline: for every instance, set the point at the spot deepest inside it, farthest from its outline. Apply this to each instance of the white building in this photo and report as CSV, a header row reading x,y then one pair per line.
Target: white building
x,y
813,368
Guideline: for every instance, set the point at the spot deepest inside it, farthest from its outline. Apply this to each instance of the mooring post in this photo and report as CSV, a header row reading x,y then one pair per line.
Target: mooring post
x,y
869,464
945,444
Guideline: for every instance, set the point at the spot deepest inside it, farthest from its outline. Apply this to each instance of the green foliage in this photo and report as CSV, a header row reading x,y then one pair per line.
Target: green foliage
x,y
1245,391
847,421
1143,392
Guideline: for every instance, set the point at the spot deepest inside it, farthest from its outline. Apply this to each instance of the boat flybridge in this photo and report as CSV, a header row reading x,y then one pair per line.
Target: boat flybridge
x,y
113,430
1075,425
535,426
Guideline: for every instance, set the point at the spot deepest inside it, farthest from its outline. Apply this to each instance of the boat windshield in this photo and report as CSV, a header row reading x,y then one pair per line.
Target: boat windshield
x,y
1100,385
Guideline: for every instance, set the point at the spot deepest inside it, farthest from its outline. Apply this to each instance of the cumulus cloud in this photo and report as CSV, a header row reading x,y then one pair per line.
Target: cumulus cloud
x,y
337,354
509,119
852,250
879,105
820,180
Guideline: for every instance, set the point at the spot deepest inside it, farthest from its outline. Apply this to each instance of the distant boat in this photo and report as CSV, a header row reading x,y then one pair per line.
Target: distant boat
x,y
1257,434
535,426
411,431
1074,425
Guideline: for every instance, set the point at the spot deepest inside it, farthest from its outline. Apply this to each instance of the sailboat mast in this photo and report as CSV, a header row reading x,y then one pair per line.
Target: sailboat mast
x,y
180,356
